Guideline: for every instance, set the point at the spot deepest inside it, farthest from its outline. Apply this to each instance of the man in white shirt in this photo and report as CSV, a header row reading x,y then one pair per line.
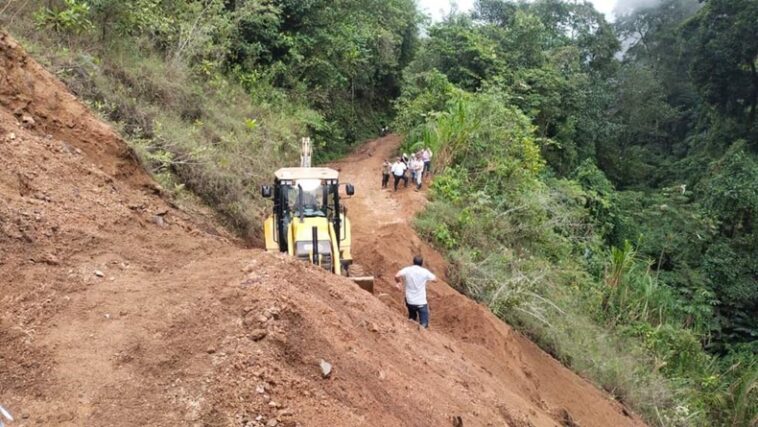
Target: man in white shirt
x,y
418,169
426,156
398,172
412,167
415,279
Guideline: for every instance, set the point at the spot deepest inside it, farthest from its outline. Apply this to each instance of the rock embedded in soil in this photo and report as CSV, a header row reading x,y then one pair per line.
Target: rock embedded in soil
x,y
51,259
258,334
159,221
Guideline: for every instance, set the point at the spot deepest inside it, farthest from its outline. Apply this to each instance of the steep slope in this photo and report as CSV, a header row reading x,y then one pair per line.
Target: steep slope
x,y
387,242
116,308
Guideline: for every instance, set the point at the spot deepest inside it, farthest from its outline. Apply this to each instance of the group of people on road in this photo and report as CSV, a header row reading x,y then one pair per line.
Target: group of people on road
x,y
412,280
405,167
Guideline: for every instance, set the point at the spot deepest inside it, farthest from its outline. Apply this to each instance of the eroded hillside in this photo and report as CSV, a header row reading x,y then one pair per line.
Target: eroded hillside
x,y
120,309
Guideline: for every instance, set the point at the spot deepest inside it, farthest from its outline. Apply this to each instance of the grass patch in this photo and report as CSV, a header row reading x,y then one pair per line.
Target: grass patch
x,y
202,133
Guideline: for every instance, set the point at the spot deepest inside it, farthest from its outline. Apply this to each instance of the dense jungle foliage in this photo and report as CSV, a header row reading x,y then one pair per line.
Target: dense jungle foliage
x,y
596,183
214,93
597,186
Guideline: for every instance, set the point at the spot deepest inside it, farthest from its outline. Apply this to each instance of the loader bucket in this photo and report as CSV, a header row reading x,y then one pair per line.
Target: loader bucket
x,y
365,282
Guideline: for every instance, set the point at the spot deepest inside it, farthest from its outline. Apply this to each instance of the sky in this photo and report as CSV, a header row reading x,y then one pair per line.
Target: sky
x,y
438,8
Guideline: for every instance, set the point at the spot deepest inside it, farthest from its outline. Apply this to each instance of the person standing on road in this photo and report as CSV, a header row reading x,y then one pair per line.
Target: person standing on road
x,y
412,167
407,160
415,278
417,165
426,156
386,169
398,172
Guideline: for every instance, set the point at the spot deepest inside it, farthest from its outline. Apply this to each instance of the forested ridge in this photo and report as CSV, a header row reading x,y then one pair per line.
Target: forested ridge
x,y
596,182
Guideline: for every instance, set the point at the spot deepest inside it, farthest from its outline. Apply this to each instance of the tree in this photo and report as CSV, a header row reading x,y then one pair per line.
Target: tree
x,y
725,54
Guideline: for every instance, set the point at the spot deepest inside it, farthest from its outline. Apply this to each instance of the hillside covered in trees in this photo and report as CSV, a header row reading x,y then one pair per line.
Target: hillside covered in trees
x,y
599,188
596,182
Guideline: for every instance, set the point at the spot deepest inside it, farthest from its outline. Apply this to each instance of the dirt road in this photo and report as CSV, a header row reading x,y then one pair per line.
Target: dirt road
x,y
386,242
118,308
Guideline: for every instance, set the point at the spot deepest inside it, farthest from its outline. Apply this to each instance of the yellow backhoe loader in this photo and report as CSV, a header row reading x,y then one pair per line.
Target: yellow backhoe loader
x,y
308,221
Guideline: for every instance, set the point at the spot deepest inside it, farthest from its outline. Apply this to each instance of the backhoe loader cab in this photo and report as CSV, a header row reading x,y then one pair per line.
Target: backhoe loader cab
x,y
308,221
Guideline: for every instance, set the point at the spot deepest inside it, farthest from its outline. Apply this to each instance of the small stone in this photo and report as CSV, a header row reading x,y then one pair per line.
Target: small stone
x,y
11,136
326,368
286,412
272,422
211,350
260,389
51,259
373,328
27,120
273,404
99,273
258,334
159,221
107,315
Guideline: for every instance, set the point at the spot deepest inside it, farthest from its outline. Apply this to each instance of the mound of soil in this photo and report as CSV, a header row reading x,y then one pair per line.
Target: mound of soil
x,y
117,308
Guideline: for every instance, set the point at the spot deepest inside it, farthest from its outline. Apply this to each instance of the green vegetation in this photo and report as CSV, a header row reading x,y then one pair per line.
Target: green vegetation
x,y
603,206
596,186
213,94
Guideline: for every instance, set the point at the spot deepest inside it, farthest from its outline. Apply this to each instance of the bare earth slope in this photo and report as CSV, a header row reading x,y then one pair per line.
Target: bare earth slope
x,y
118,309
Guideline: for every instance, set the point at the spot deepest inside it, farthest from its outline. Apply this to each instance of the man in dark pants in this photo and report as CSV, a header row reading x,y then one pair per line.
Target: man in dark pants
x,y
398,172
415,279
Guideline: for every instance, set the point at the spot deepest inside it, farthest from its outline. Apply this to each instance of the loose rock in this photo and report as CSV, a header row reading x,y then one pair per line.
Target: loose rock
x,y
258,334
326,368
159,221
51,259
99,273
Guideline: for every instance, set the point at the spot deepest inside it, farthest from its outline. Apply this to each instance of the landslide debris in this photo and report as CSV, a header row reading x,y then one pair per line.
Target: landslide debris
x,y
110,317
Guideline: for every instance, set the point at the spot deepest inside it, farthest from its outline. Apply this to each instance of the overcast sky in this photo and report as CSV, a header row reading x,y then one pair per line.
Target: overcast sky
x,y
438,8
